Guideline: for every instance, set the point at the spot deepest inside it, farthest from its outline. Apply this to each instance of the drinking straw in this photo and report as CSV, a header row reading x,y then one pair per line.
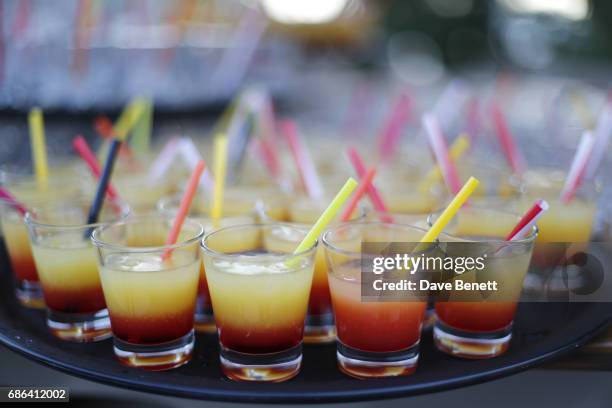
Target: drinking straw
x,y
141,134
327,216
190,153
459,146
128,118
163,161
39,149
528,220
440,151
305,165
364,183
237,145
392,129
508,144
220,164
360,169
450,211
192,186
575,176
450,101
96,206
603,132
268,156
81,147
12,201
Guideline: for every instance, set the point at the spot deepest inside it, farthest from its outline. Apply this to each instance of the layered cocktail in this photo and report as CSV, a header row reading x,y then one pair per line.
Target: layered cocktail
x,y
150,289
260,296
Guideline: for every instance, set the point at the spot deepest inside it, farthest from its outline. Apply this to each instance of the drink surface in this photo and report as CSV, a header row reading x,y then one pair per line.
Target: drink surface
x,y
372,326
68,271
259,301
150,300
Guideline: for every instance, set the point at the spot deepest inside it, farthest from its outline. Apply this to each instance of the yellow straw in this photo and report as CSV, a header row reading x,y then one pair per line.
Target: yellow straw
x,y
141,133
327,216
219,174
128,118
39,150
450,211
456,151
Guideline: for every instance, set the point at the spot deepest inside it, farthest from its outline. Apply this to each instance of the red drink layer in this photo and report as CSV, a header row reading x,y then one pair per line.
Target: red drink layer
x,y
77,300
23,267
476,316
320,299
203,292
259,340
154,329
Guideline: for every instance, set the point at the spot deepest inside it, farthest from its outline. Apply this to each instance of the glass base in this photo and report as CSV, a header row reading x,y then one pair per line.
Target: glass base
x,y
79,327
320,329
471,345
363,364
204,321
156,357
272,367
30,294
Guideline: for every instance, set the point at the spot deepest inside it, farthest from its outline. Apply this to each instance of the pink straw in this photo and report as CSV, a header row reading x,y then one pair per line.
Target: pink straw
x,y
267,154
577,171
440,151
192,186
392,129
12,201
81,147
363,186
360,169
508,144
305,165
528,220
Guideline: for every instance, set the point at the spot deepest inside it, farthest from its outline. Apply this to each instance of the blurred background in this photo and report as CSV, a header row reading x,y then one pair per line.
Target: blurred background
x,y
336,66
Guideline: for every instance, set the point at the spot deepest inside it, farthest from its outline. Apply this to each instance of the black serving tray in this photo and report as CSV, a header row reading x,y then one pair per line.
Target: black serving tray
x,y
542,332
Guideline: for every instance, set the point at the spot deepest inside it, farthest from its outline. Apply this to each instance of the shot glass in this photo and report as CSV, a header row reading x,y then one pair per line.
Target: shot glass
x,y
168,206
27,290
260,298
150,289
66,263
468,324
375,338
320,327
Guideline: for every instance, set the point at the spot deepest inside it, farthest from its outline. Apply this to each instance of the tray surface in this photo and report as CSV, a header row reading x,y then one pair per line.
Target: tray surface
x,y
541,332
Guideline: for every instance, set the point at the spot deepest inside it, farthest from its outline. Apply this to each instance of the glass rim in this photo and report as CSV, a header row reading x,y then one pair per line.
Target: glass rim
x,y
218,254
327,244
99,243
30,220
529,238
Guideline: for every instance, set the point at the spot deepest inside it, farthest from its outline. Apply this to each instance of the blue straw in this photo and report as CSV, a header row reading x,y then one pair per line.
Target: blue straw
x,y
96,207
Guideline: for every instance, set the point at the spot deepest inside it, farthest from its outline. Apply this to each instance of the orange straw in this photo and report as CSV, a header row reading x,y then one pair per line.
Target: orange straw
x,y
364,183
192,186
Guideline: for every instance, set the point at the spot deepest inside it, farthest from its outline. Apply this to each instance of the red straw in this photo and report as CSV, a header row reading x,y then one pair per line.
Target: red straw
x,y
80,145
393,127
364,184
528,220
12,201
192,186
508,144
440,151
268,155
306,168
578,168
360,169
104,127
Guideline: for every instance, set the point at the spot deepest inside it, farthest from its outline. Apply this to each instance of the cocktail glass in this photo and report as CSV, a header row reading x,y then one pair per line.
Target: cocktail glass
x,y
150,289
66,264
260,298
375,338
469,324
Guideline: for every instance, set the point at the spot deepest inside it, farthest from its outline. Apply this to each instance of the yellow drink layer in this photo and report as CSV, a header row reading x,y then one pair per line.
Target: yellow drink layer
x,y
66,262
16,235
144,286
261,296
